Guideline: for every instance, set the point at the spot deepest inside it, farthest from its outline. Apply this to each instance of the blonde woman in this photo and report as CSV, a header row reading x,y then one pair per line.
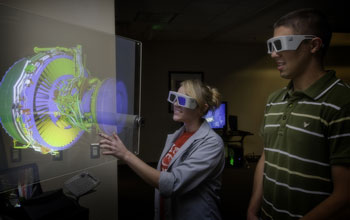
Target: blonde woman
x,y
187,180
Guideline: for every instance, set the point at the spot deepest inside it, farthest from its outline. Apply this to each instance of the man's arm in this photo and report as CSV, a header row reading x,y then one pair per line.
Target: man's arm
x,y
336,206
257,192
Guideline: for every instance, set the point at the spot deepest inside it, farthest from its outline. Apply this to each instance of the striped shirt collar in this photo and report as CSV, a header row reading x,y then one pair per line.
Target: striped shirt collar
x,y
317,89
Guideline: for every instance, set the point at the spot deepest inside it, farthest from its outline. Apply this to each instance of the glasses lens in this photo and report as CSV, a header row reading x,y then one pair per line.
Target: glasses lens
x,y
269,47
172,98
278,45
181,101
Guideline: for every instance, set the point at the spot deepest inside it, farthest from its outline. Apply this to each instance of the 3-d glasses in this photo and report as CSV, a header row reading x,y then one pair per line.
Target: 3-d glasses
x,y
288,42
182,100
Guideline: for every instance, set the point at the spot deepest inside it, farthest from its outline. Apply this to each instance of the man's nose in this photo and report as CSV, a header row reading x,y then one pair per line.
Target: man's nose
x,y
274,54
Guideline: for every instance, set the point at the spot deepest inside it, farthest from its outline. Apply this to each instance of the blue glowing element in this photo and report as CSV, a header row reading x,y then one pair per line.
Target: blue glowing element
x,y
217,118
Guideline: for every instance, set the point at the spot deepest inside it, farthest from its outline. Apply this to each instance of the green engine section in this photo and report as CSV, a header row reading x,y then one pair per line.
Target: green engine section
x,y
6,99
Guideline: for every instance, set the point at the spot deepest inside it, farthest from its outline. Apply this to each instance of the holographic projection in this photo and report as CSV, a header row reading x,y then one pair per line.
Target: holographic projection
x,y
52,99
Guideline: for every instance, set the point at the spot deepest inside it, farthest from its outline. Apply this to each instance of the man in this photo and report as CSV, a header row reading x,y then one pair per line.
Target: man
x,y
304,169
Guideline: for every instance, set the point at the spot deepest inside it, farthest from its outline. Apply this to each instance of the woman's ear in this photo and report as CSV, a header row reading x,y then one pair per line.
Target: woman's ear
x,y
316,44
206,107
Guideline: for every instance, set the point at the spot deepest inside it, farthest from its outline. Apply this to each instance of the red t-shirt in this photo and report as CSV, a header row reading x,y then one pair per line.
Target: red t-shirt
x,y
167,159
174,149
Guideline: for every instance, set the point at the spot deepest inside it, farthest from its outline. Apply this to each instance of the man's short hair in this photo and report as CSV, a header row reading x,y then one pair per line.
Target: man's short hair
x,y
308,21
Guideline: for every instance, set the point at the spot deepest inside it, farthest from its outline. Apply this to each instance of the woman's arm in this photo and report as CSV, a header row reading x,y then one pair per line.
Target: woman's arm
x,y
204,160
114,146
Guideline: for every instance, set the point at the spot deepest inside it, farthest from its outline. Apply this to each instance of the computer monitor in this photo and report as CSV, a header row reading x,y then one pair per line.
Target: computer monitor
x,y
217,118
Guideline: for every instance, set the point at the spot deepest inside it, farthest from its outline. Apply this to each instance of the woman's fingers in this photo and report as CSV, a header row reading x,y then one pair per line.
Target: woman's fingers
x,y
107,152
111,139
105,136
112,145
106,141
116,136
108,147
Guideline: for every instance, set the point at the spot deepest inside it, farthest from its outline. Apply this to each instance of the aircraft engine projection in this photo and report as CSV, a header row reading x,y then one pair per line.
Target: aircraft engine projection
x,y
50,99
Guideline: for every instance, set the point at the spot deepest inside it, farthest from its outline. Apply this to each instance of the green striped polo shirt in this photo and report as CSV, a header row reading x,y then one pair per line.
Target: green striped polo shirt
x,y
304,134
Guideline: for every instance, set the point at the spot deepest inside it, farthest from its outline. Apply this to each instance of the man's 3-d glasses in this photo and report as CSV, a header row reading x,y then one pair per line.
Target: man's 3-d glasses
x,y
182,100
288,42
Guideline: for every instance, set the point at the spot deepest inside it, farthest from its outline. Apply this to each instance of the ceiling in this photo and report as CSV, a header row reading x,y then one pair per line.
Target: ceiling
x,y
215,20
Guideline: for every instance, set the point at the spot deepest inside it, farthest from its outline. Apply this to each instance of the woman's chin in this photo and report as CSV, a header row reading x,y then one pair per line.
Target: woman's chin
x,y
176,118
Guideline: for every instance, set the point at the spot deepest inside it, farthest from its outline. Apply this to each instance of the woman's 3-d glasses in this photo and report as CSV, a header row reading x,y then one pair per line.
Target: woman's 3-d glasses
x,y
182,100
288,42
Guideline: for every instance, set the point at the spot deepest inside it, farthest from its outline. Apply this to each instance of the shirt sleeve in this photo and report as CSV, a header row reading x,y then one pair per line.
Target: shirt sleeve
x,y
339,137
203,160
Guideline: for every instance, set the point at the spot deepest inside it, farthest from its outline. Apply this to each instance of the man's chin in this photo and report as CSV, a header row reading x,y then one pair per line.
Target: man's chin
x,y
284,75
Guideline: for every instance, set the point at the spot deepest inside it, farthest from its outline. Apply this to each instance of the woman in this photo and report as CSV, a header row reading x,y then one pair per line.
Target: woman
x,y
188,175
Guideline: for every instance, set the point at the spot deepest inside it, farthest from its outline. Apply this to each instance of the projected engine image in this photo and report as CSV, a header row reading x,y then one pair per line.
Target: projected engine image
x,y
50,99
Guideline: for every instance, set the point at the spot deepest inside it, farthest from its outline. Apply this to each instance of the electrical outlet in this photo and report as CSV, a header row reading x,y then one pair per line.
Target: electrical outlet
x,y
94,150
16,155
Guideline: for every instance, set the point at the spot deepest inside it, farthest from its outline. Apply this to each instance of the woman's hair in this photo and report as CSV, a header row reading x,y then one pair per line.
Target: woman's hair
x,y
203,94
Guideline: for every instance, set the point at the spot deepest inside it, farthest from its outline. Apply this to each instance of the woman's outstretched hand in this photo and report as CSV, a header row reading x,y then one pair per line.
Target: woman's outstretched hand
x,y
112,145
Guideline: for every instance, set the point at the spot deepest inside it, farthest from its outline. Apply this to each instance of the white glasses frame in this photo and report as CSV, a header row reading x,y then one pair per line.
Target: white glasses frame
x,y
190,102
288,42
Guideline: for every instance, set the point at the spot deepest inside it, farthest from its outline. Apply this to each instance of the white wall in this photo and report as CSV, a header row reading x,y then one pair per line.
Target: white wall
x,y
95,14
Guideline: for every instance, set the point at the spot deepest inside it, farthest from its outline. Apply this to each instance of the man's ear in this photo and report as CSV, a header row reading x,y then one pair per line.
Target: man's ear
x,y
316,44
